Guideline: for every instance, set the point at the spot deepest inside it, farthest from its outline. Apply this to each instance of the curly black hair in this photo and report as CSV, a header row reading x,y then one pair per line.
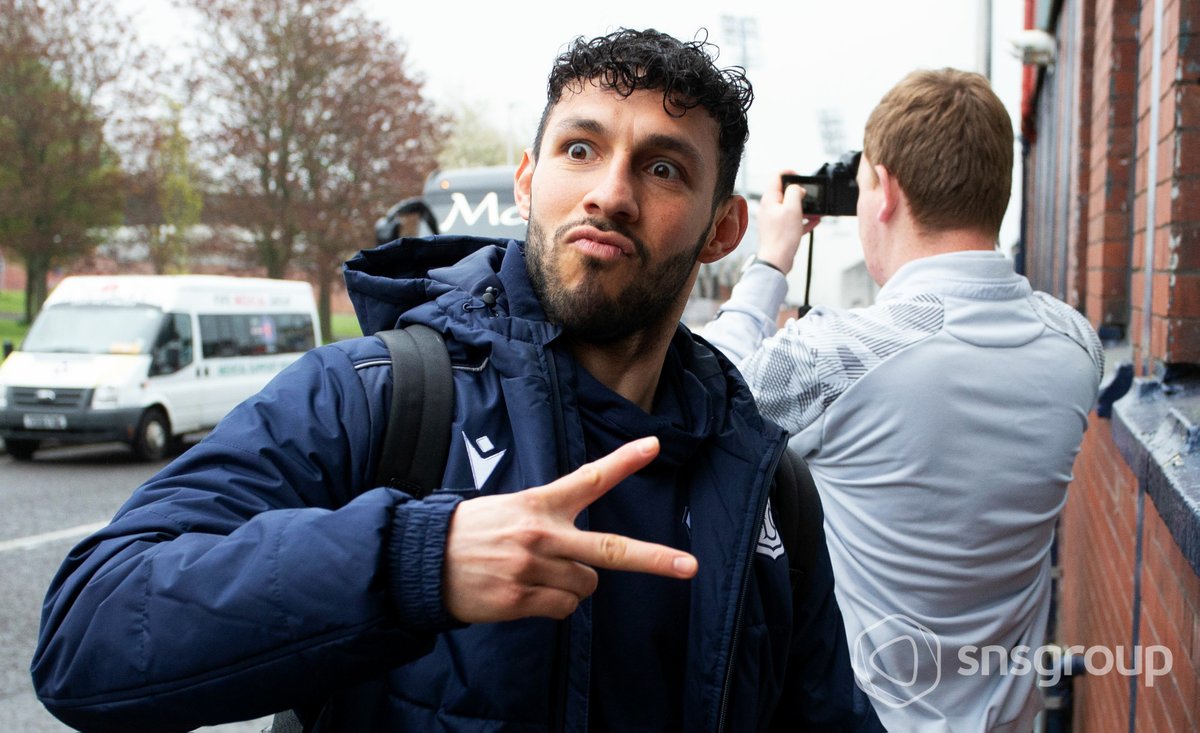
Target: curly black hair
x,y
627,60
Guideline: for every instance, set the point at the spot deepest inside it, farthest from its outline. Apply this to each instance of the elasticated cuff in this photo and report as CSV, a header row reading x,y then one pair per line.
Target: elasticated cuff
x,y
416,554
762,286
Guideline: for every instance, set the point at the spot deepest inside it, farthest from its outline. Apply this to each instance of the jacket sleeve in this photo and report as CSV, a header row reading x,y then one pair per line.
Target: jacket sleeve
x,y
257,572
819,692
749,316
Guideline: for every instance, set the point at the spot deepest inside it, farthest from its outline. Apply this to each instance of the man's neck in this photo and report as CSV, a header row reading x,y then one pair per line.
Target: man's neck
x,y
919,245
630,367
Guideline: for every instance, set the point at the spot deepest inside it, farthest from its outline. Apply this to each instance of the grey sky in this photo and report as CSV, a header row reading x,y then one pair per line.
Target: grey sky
x,y
810,57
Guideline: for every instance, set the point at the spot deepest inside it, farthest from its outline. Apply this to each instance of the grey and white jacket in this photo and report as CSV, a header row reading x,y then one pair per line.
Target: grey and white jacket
x,y
941,425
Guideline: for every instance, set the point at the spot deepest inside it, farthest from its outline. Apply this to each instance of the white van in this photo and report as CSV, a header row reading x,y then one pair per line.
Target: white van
x,y
145,359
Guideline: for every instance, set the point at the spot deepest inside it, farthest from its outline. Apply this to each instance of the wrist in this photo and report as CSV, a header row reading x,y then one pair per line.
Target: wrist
x,y
756,260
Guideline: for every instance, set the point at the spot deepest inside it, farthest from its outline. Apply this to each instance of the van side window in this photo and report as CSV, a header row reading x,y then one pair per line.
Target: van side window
x,y
255,334
172,349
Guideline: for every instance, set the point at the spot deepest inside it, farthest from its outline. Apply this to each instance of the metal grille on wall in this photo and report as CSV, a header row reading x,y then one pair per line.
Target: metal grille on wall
x,y
1055,163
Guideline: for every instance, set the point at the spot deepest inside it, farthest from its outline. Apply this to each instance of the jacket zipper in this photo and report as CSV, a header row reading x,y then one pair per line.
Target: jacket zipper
x,y
564,627
737,617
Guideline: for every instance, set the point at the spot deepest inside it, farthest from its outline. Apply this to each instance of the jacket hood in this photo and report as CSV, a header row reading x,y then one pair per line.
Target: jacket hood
x,y
389,280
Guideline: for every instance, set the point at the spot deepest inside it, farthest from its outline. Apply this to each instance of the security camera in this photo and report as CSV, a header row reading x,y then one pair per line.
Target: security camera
x,y
1034,47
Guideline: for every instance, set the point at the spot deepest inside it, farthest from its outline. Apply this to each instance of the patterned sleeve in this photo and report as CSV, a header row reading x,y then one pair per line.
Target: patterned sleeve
x,y
1068,321
801,370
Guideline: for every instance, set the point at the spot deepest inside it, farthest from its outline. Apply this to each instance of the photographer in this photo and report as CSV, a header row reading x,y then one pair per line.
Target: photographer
x,y
942,422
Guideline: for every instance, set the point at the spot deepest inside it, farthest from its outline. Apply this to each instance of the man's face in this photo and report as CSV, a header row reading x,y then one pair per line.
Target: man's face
x,y
620,211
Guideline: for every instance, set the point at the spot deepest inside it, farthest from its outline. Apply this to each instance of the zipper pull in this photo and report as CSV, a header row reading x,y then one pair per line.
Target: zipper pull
x,y
489,298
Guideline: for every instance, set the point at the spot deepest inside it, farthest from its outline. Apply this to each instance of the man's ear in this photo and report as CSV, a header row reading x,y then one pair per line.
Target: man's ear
x,y
890,188
729,226
523,182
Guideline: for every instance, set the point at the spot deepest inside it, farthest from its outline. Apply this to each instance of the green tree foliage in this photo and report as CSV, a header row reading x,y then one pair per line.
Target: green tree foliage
x,y
60,180
320,128
475,141
165,200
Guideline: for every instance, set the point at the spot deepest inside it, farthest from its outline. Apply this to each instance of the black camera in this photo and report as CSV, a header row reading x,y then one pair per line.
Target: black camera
x,y
833,189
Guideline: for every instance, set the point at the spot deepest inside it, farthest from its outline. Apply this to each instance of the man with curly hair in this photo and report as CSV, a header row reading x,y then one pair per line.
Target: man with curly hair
x,y
591,558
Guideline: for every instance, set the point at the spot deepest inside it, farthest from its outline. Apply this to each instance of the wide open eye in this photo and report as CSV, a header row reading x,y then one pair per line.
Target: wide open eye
x,y
663,169
580,151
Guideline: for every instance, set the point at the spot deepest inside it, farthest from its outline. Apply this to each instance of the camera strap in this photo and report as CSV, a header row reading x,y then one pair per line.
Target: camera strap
x,y
804,309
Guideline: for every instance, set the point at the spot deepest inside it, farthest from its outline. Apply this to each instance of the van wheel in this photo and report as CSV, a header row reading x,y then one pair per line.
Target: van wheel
x,y
153,436
21,450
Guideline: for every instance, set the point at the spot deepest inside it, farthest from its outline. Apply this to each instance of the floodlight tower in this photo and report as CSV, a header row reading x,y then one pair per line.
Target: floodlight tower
x,y
741,32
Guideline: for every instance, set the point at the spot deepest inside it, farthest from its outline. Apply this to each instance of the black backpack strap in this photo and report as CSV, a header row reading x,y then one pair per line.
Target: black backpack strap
x,y
798,515
417,440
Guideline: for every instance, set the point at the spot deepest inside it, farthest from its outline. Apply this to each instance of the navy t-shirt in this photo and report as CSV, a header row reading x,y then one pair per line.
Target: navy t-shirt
x,y
640,621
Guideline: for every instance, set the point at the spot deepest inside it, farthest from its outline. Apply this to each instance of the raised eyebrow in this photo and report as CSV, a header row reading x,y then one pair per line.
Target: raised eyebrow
x,y
676,145
579,124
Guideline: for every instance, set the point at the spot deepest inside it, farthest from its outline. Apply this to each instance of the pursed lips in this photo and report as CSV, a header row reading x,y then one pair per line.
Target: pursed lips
x,y
599,243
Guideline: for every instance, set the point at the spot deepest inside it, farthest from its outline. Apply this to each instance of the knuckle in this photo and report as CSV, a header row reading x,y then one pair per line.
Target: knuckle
x,y
613,548
524,567
514,596
530,533
590,475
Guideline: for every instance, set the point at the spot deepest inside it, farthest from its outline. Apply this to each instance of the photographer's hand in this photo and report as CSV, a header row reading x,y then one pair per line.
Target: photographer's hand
x,y
781,224
511,556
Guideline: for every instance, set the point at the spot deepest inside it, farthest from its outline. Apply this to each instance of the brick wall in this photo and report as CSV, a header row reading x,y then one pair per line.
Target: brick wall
x,y
1081,172
1106,302
1130,490
1098,550
1174,269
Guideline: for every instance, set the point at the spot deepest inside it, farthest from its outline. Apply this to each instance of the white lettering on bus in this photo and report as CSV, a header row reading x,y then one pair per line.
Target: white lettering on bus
x,y
460,207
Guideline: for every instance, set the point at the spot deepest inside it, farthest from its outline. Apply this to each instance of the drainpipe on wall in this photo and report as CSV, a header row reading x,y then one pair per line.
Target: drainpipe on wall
x,y
1151,186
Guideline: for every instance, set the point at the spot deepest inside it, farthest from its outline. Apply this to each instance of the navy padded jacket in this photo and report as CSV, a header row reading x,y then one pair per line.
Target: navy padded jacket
x,y
263,570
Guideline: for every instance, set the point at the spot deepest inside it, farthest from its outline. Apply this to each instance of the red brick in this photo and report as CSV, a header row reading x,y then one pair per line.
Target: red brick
x,y
1176,295
1189,56
1181,342
1166,111
1142,125
1181,193
1195,655
1119,135
1135,287
1187,152
1182,252
1158,338
1158,567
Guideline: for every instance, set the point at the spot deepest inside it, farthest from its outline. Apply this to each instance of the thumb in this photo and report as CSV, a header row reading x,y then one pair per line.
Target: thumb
x,y
572,493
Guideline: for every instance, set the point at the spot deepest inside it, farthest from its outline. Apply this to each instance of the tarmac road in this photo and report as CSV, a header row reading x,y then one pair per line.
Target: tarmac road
x,y
46,506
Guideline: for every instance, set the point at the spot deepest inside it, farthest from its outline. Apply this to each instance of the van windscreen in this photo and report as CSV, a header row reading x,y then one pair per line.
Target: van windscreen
x,y
94,329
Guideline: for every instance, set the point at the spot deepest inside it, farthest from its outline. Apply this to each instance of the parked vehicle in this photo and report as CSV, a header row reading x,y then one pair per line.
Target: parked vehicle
x,y
147,359
474,201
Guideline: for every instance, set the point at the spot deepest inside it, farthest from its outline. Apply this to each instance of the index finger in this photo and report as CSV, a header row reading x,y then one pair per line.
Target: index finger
x,y
776,185
616,552
571,494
